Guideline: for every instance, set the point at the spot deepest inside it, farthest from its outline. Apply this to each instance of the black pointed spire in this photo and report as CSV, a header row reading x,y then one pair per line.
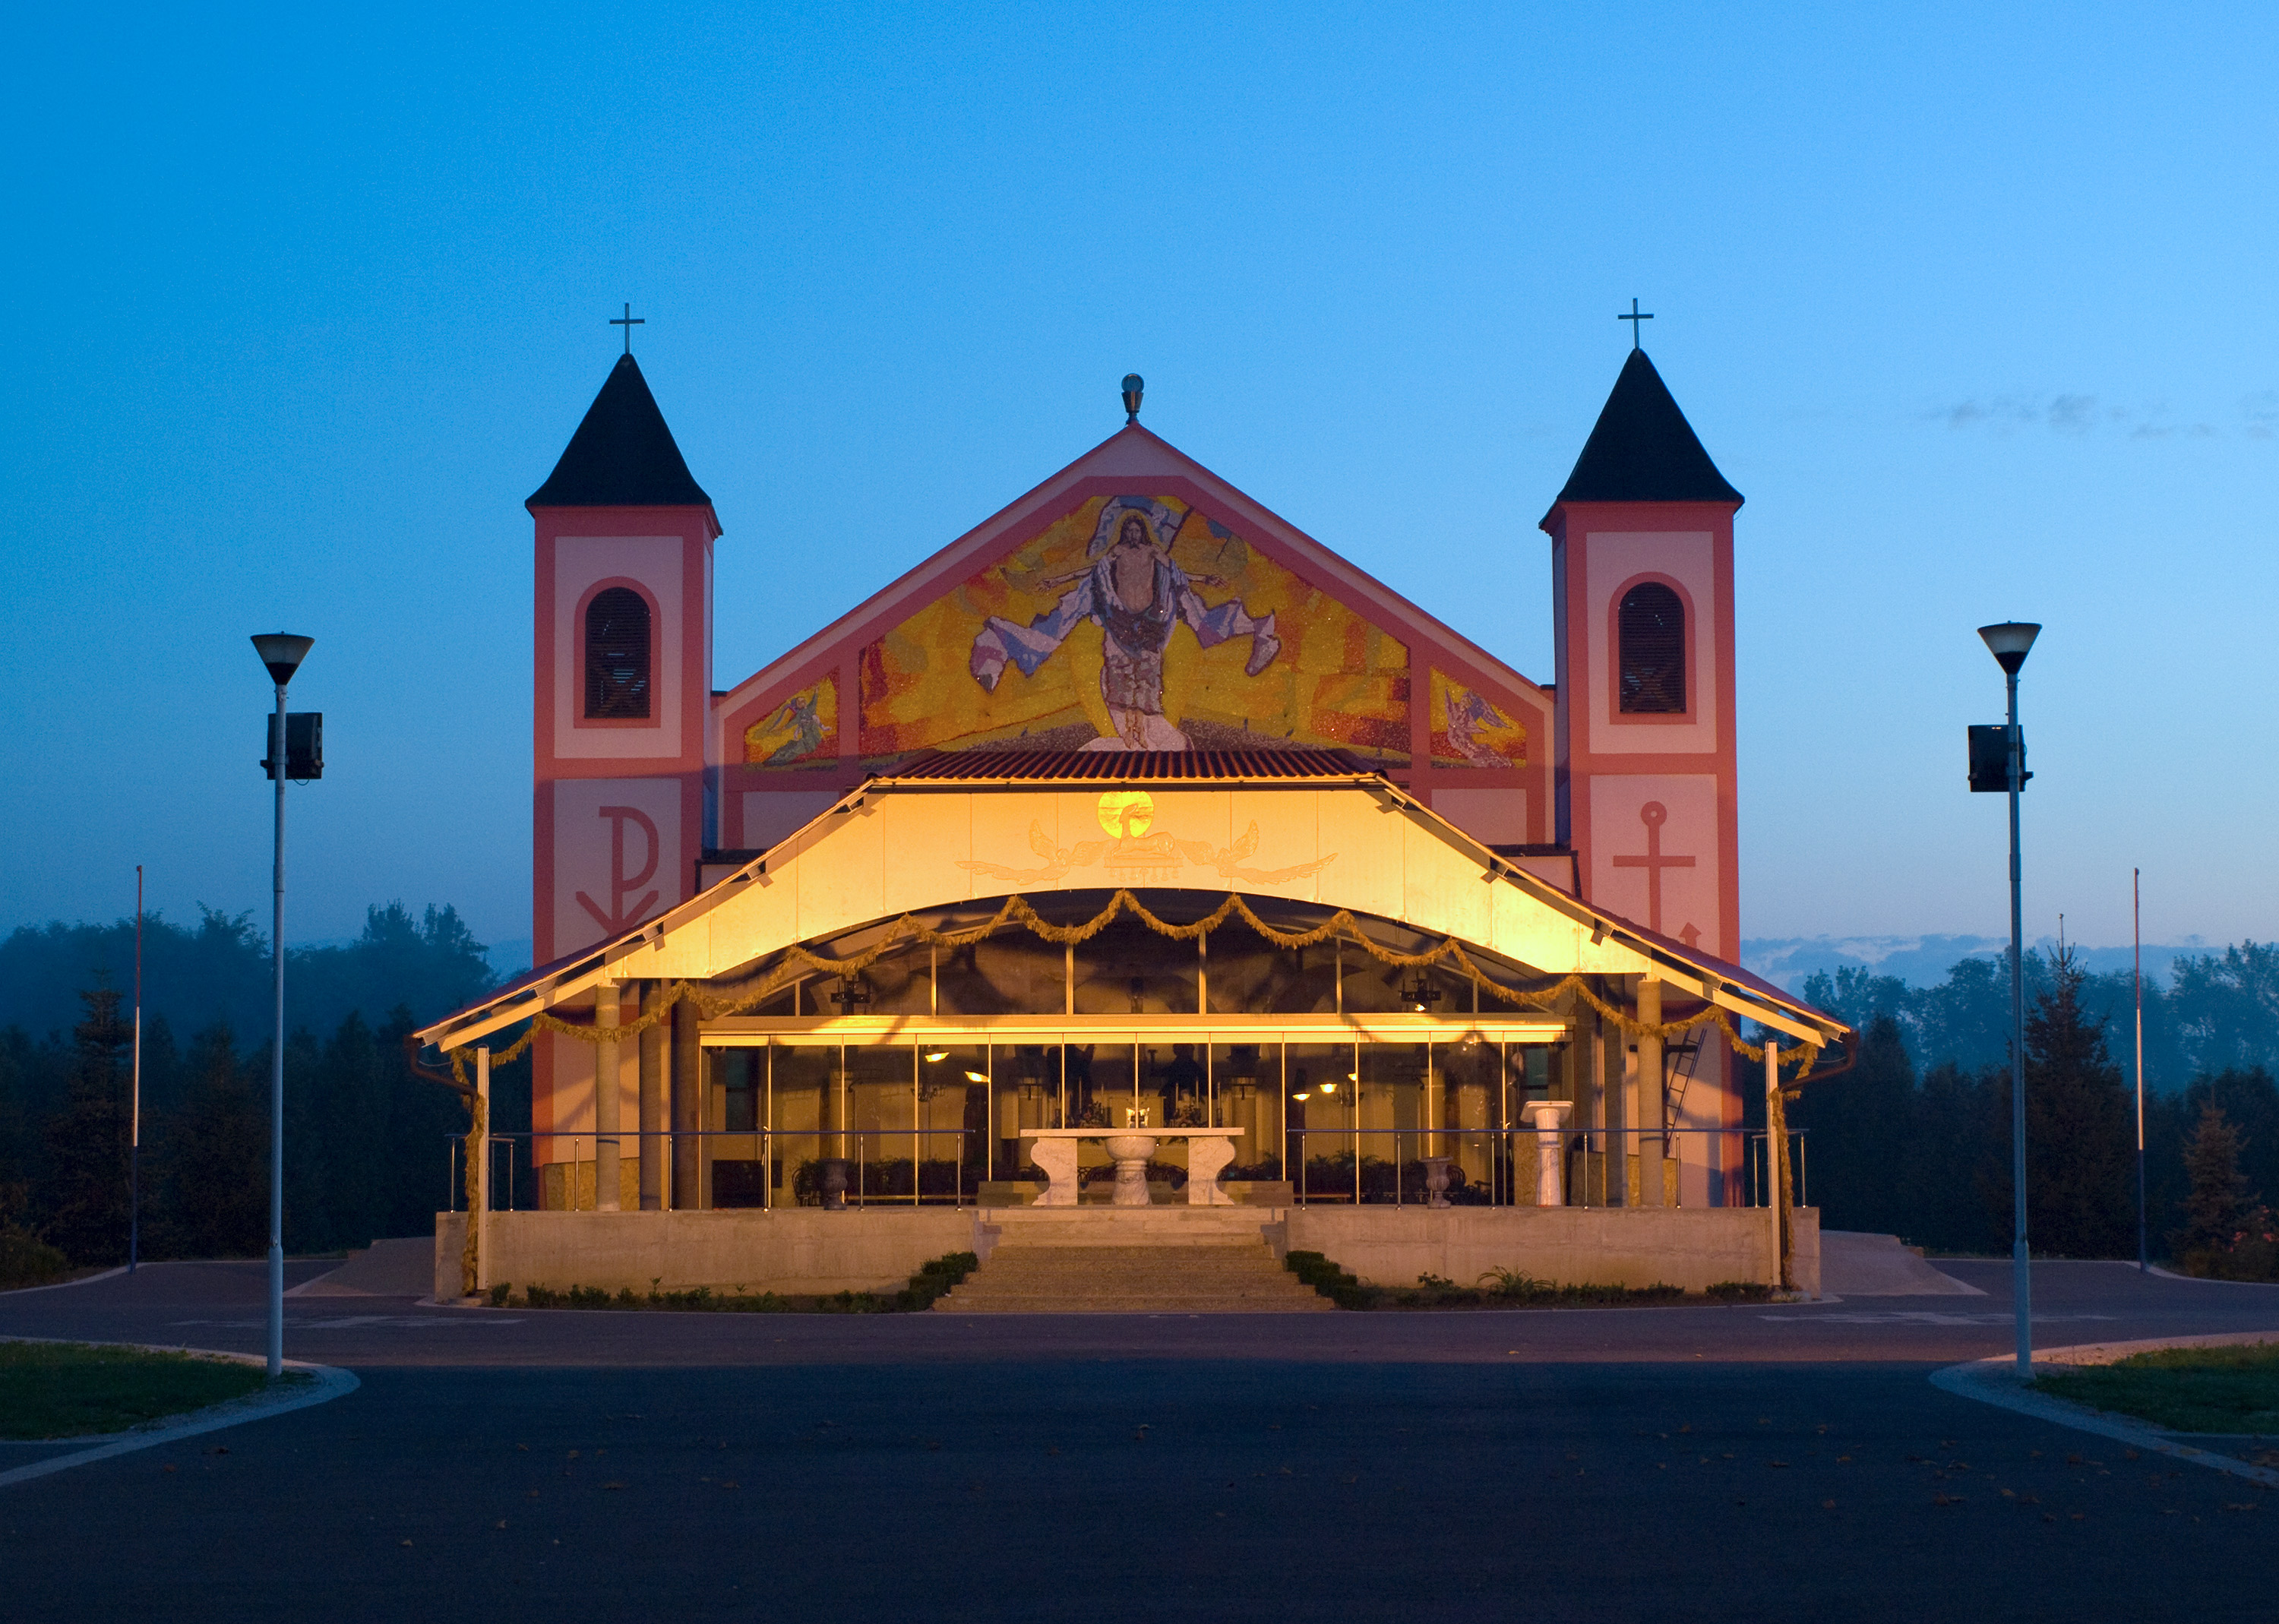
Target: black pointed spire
x,y
1643,450
622,456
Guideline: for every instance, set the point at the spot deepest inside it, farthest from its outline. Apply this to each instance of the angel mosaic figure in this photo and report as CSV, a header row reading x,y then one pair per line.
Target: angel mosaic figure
x,y
1471,719
798,715
1137,596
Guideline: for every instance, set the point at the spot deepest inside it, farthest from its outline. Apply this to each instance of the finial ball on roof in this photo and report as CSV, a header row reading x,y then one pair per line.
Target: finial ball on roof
x,y
1133,384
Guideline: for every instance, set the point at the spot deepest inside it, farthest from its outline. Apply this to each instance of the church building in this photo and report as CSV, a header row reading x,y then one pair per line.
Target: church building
x,y
1136,850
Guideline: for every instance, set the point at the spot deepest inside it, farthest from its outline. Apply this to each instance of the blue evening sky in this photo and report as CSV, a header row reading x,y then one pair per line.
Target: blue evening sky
x,y
1973,303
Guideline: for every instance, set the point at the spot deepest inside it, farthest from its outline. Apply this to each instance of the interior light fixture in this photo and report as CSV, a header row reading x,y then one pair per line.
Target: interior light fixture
x,y
1328,1087
977,1076
1302,1094
937,1057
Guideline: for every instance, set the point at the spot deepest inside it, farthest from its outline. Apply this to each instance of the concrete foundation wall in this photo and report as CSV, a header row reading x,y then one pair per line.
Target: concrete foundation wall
x,y
1693,1247
788,1250
806,1250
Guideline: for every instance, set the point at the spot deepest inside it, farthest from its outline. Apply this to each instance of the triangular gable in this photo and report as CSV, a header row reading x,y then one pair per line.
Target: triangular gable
x,y
1273,640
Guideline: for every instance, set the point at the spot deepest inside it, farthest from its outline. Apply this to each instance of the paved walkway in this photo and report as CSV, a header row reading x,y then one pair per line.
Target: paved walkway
x,y
1769,1462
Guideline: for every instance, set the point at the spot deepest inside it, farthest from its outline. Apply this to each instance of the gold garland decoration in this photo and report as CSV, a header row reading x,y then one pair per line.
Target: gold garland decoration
x,y
478,1125
1343,925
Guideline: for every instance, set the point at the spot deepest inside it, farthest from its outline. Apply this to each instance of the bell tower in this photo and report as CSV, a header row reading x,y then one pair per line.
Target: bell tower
x,y
622,691
1645,780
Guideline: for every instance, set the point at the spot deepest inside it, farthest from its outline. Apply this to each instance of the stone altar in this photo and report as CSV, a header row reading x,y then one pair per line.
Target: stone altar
x,y
1210,1150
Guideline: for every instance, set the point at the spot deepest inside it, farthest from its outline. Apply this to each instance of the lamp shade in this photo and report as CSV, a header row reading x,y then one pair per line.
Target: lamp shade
x,y
283,653
2009,641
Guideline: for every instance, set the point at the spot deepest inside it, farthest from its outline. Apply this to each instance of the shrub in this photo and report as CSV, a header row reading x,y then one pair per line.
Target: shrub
x,y
1345,1290
935,1280
1739,1291
26,1260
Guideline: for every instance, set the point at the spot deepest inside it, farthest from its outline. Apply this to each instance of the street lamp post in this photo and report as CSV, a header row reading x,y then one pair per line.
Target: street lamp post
x,y
2009,642
283,653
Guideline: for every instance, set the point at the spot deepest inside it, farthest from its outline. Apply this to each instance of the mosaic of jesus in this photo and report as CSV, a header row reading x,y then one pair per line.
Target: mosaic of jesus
x,y
1131,590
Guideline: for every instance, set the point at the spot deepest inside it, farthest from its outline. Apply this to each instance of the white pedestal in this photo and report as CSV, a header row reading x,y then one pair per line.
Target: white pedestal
x,y
1130,1153
1207,1158
1549,1117
1055,1159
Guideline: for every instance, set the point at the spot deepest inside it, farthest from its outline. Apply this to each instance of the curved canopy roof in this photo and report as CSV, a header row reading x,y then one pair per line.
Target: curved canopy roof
x,y
956,829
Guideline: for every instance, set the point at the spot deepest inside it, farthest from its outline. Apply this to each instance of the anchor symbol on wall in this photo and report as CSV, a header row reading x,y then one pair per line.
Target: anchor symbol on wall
x,y
1653,815
618,916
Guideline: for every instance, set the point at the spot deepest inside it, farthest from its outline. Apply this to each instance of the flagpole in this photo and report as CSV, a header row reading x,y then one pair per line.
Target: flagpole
x,y
135,1104
2137,934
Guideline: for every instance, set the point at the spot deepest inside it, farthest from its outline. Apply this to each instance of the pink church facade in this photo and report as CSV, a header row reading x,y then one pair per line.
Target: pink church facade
x,y
1136,606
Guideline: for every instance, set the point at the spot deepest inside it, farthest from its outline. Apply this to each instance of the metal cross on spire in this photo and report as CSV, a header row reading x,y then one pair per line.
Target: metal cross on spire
x,y
629,321
1634,315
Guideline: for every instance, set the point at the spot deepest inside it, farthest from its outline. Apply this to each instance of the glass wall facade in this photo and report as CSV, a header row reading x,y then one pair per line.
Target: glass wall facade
x,y
939,1120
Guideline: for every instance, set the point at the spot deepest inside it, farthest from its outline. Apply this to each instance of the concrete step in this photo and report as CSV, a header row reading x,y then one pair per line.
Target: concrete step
x,y
1181,1227
1072,1272
1152,1303
1090,1257
1151,1279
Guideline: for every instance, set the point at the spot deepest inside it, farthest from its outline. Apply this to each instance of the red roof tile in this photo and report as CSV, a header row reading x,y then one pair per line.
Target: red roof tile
x,y
1127,766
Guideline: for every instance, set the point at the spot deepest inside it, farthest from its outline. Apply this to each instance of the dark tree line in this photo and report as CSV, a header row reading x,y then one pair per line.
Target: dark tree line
x,y
367,1144
2218,1012
1925,1153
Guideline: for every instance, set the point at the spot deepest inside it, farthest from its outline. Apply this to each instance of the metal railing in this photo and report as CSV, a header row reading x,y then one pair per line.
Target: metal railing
x,y
1583,1160
1512,1166
862,1146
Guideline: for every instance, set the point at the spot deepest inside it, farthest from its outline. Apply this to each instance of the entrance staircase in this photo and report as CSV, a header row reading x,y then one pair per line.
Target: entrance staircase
x,y
1162,1259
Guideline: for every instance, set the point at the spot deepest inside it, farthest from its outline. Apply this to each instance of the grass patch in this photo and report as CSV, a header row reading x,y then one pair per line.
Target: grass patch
x,y
933,1280
1500,1288
2231,1388
69,1390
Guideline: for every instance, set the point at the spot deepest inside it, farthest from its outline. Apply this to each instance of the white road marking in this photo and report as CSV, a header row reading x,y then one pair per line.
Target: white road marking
x,y
1922,1316
358,1321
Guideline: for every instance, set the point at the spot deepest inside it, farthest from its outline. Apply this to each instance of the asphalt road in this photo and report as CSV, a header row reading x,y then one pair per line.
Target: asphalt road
x,y
1752,1463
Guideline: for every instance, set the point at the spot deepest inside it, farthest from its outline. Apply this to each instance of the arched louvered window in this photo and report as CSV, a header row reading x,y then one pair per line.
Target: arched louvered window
x,y
1651,629
616,653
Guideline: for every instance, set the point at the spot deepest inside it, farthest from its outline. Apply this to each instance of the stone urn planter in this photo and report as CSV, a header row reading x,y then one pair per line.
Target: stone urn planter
x,y
831,1179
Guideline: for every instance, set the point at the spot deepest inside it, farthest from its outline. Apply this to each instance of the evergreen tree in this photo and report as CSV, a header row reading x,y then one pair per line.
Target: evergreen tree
x,y
1857,1128
213,1168
2080,1130
84,1199
2249,1101
2220,1197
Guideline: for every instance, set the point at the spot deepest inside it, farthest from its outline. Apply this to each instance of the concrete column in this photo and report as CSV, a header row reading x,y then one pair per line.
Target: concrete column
x,y
480,1217
1650,1095
605,1099
1777,1150
1614,1051
652,1102
684,1086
